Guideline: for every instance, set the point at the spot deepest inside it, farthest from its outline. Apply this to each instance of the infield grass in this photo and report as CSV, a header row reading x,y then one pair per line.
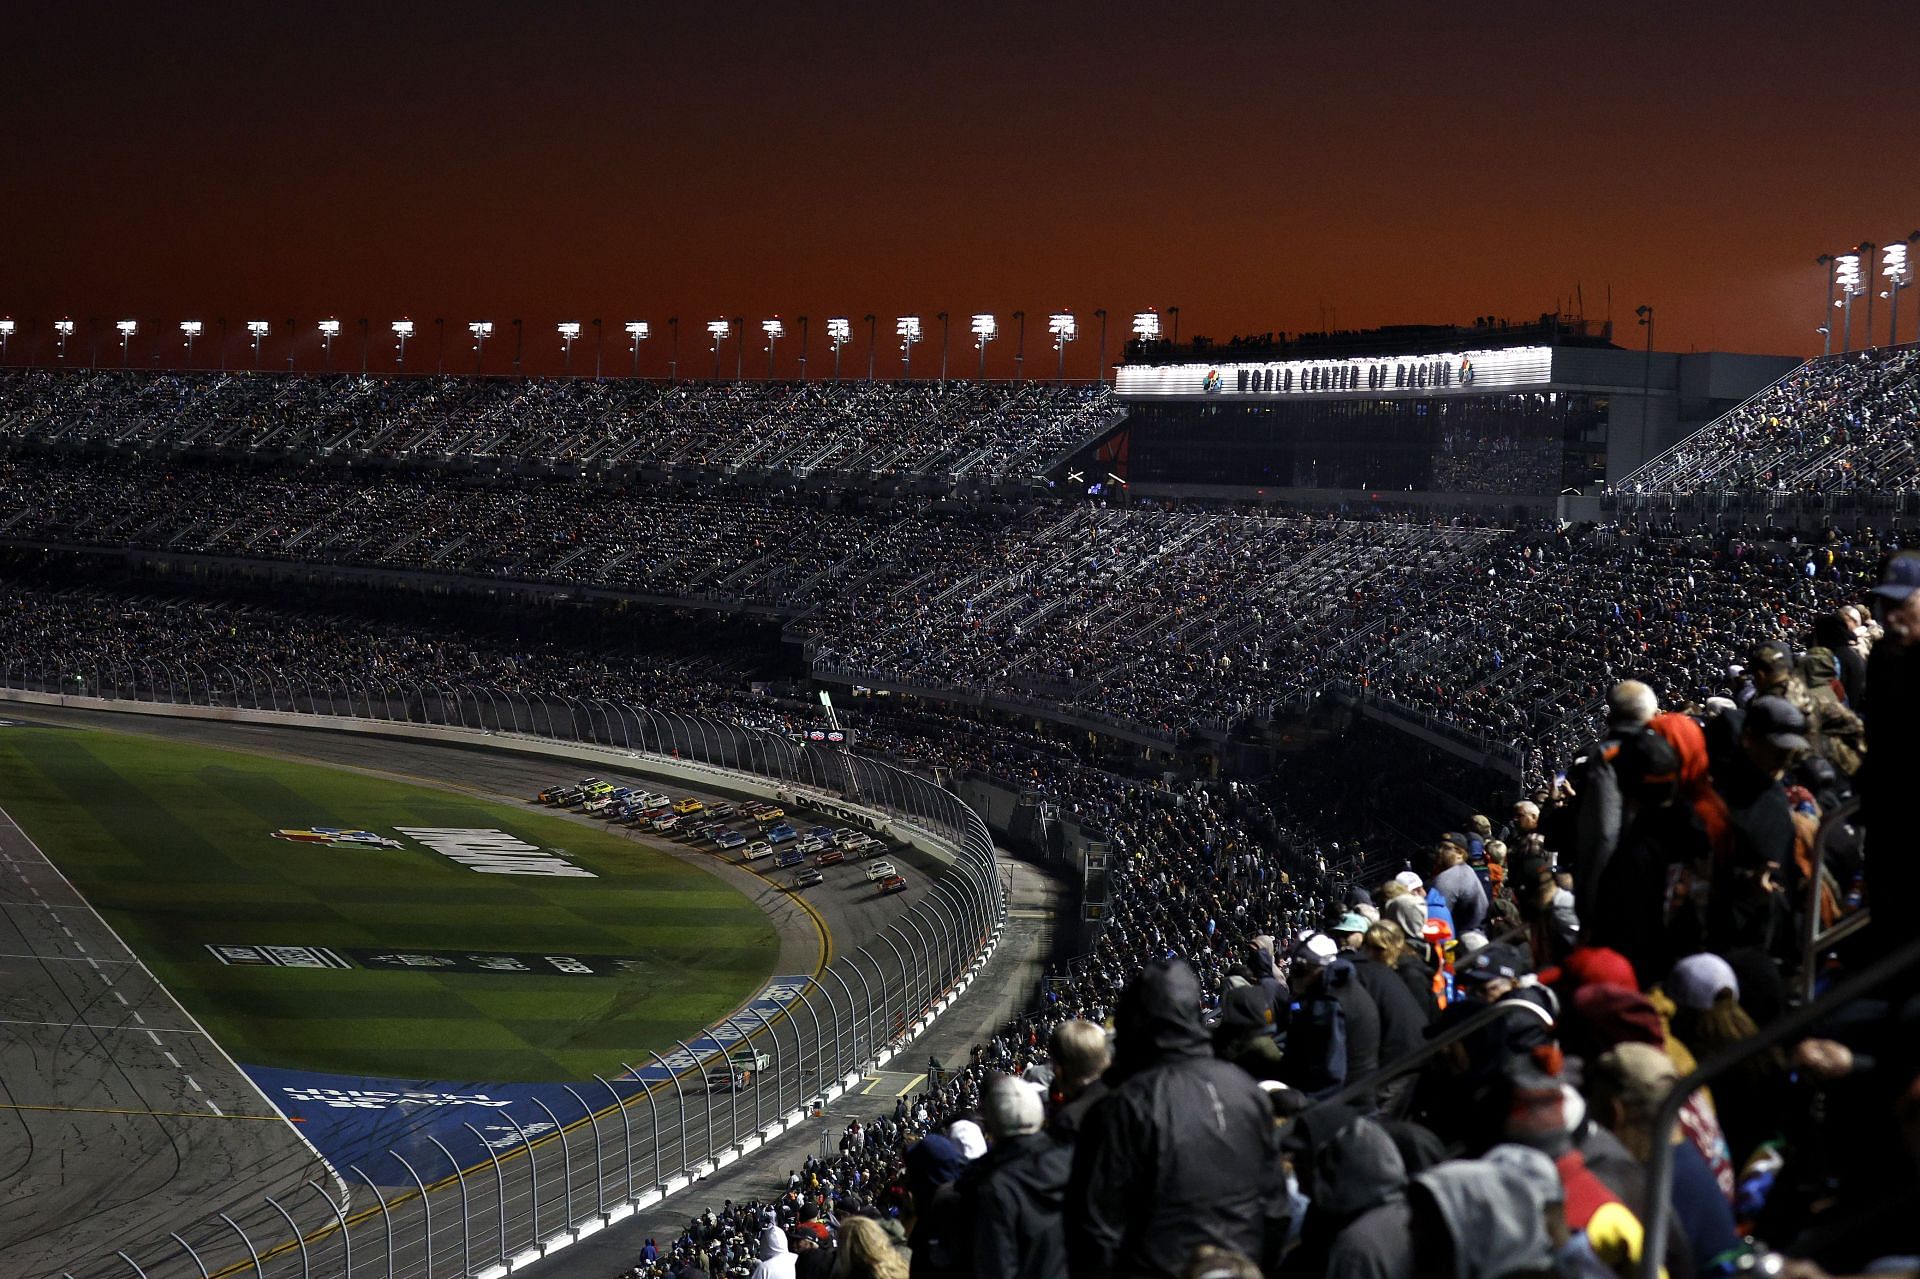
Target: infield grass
x,y
172,843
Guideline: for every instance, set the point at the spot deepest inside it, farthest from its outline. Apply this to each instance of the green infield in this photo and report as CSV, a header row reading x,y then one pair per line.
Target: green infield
x,y
320,919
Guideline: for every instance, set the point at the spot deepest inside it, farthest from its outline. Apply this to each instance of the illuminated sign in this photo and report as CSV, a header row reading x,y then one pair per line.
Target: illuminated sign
x,y
1460,372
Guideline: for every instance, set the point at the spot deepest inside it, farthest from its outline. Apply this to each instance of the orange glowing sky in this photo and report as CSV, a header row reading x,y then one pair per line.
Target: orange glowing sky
x,y
1250,164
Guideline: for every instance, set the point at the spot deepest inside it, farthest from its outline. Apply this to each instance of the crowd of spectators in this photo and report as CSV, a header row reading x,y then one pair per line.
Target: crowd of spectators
x,y
955,429
1836,425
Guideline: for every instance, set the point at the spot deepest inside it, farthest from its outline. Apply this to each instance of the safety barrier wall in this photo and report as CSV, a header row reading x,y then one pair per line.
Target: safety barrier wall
x,y
861,1011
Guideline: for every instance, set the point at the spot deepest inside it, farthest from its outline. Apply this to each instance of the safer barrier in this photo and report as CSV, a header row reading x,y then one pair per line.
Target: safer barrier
x,y
488,1217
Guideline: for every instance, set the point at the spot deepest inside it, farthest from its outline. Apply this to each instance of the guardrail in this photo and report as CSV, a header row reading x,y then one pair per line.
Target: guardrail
x,y
479,1219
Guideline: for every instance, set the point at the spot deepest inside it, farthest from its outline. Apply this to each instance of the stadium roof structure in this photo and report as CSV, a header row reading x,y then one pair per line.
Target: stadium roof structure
x,y
1485,333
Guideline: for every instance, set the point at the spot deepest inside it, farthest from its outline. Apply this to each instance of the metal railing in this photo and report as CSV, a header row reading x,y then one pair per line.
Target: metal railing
x,y
613,1151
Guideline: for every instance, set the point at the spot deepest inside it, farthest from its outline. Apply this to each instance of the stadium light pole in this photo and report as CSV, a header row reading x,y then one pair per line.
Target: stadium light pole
x,y
258,328
188,328
1846,273
329,330
1020,346
127,329
1174,311
1893,266
599,347
293,340
6,334
1100,313
1646,382
870,347
365,343
907,327
63,329
440,344
839,333
673,361
718,331
1826,327
1064,329
773,329
481,330
519,344
942,317
739,347
569,330
983,327
1866,251
637,331
402,329
803,346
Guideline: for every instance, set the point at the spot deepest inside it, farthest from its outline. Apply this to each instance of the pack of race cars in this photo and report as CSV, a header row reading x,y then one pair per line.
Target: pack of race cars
x,y
754,832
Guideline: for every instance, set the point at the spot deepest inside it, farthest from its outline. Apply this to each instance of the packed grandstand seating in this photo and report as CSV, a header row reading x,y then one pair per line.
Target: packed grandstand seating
x,y
957,428
1701,700
1836,425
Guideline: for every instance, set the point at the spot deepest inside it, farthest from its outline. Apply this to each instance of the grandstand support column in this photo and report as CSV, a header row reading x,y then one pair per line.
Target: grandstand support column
x,y
566,1163
299,1237
533,1174
386,1217
426,1207
198,1264
466,1223
682,1099
499,1189
626,1134
693,1058
254,1252
599,1176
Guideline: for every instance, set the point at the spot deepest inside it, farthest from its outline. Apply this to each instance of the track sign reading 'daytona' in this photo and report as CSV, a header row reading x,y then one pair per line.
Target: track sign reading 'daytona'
x,y
494,852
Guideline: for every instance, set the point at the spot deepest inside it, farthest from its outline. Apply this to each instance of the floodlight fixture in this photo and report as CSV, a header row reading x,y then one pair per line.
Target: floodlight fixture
x,y
6,334
1893,266
127,329
1064,329
402,329
1146,326
568,330
329,330
984,328
907,329
63,329
259,329
1846,274
839,333
637,331
774,330
190,329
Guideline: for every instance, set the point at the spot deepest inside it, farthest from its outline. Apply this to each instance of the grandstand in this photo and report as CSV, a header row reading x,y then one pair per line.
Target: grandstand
x,y
1260,716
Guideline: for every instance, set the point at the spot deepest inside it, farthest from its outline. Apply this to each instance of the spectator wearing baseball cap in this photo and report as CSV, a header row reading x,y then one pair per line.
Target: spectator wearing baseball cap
x,y
1333,1033
1457,887
1744,910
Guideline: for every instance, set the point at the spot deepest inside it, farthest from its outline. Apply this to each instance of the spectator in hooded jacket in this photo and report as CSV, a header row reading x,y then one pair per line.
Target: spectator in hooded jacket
x,y
1333,1029
1179,1154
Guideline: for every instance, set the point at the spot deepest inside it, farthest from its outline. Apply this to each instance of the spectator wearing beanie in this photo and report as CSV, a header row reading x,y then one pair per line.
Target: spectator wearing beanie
x,y
1015,1191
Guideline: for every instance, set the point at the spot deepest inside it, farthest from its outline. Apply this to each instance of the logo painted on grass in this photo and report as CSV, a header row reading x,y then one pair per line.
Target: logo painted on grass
x,y
354,1118
446,961
494,852
336,837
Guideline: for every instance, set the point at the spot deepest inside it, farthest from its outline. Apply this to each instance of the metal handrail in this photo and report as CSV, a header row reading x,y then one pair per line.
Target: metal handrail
x,y
1794,1024
1812,939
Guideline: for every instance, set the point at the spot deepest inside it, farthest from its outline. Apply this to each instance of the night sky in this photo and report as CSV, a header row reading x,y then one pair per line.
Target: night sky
x,y
1259,166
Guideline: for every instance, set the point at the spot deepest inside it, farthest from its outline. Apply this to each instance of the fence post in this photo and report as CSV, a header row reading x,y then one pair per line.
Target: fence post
x,y
499,1185
853,1022
131,1262
626,1125
799,1069
682,1098
599,1177
251,1250
346,1236
386,1218
426,1206
800,1096
299,1238
202,1266
533,1170
694,1057
466,1232
566,1160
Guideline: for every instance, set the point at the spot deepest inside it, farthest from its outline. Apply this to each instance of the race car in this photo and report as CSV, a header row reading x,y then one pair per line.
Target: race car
x,y
729,838
893,884
880,870
792,857
687,806
829,857
808,878
781,834
756,850
600,803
